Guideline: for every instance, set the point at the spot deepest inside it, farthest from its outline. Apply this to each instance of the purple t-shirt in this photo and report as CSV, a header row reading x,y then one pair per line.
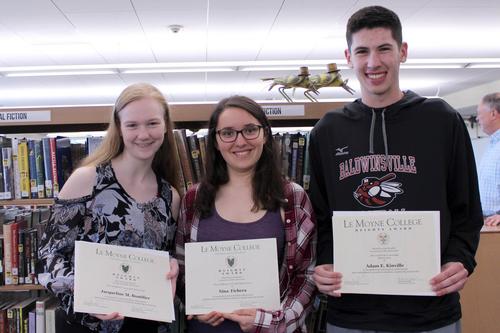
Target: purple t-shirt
x,y
216,228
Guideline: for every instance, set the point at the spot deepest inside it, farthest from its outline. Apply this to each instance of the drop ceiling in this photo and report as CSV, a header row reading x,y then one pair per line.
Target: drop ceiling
x,y
114,33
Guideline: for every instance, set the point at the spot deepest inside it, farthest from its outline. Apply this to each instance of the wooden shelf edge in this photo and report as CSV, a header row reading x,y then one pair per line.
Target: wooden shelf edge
x,y
21,287
27,202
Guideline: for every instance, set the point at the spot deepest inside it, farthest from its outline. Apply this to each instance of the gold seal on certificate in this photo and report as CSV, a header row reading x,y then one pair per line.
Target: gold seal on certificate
x,y
386,252
229,275
128,280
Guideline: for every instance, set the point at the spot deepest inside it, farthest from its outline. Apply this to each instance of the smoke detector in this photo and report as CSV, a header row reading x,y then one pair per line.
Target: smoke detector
x,y
175,28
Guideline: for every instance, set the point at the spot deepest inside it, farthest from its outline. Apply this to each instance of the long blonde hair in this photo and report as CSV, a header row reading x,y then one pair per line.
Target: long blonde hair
x,y
112,144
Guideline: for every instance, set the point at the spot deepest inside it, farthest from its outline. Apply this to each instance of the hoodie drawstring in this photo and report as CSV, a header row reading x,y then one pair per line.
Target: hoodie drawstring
x,y
372,129
384,134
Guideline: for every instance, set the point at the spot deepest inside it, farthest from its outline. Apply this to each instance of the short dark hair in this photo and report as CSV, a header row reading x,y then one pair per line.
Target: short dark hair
x,y
267,182
493,101
374,17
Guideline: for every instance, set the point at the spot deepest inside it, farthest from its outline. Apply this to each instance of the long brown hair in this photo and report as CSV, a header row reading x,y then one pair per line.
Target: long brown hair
x,y
267,181
112,144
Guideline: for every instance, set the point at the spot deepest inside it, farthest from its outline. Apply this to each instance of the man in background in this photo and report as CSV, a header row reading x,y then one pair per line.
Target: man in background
x,y
488,116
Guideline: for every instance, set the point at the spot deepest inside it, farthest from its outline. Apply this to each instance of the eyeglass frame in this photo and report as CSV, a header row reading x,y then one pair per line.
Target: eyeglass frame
x,y
238,132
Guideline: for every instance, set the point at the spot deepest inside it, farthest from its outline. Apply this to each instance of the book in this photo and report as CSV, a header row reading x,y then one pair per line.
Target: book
x,y
180,140
8,176
292,171
16,226
181,180
47,168
21,311
23,163
7,251
92,143
31,322
40,171
15,169
32,169
4,307
300,158
63,160
50,318
285,156
194,153
41,305
307,167
1,260
53,167
77,154
4,142
21,269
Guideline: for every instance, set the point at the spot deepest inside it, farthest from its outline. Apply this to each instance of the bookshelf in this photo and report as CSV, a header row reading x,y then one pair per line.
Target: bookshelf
x,y
189,116
27,202
21,287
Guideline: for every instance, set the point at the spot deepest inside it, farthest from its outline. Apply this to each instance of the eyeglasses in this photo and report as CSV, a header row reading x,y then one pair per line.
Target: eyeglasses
x,y
249,132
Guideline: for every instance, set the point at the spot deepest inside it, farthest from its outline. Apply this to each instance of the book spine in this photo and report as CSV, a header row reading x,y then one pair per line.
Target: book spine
x,y
3,320
2,281
40,172
2,186
180,140
32,169
32,322
300,158
195,157
47,167
11,321
64,161
21,257
286,155
40,316
15,168
53,167
15,252
307,166
24,169
8,177
293,159
7,253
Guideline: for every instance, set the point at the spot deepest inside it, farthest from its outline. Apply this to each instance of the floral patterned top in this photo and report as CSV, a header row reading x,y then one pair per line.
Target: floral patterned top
x,y
109,216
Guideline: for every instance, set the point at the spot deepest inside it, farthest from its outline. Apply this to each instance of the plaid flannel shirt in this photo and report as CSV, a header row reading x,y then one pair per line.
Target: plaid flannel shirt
x,y
297,289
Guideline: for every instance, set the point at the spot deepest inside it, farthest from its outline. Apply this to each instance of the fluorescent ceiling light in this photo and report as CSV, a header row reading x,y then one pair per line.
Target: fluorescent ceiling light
x,y
177,70
284,68
225,66
430,66
60,73
484,65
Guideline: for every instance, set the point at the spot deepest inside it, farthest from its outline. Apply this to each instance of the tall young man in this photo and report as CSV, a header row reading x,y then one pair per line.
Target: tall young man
x,y
420,143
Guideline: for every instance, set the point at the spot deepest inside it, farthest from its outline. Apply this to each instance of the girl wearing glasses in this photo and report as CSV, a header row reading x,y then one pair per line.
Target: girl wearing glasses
x,y
244,196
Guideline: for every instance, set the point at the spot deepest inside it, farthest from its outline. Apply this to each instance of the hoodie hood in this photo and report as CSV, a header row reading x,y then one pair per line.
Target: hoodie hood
x,y
359,110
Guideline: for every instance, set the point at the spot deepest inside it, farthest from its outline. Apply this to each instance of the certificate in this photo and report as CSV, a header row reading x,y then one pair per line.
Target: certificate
x,y
386,252
130,281
229,275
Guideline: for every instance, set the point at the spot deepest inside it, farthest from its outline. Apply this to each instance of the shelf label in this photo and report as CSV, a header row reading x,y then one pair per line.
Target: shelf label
x,y
283,110
25,116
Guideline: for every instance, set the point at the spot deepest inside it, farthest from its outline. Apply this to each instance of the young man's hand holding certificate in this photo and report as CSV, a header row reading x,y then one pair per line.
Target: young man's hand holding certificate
x,y
386,252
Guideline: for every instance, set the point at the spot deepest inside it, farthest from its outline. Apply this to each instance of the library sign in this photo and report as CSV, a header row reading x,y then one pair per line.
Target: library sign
x,y
283,110
25,116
